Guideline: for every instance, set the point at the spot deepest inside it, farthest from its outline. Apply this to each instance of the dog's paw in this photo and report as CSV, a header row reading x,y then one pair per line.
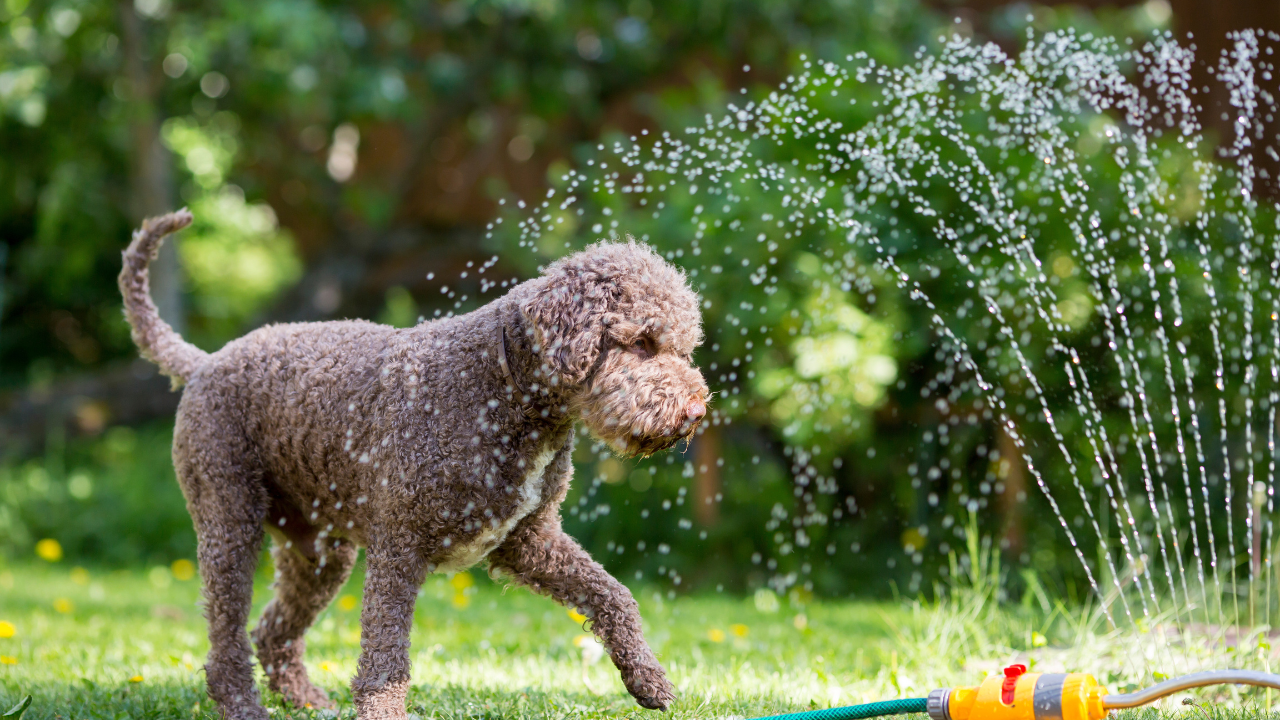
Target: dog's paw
x,y
650,687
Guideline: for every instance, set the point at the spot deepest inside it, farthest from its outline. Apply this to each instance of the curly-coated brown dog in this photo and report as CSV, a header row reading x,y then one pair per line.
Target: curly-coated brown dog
x,y
433,447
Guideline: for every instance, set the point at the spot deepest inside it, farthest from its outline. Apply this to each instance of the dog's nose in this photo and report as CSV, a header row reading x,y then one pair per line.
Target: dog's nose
x,y
695,409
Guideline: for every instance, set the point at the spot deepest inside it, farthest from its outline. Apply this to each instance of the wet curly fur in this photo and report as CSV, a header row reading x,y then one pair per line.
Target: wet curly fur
x,y
418,445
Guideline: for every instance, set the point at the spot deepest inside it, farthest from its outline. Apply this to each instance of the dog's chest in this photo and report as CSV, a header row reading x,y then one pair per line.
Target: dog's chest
x,y
528,496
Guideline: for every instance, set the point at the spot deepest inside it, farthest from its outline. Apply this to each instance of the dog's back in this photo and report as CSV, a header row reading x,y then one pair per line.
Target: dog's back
x,y
300,387
329,410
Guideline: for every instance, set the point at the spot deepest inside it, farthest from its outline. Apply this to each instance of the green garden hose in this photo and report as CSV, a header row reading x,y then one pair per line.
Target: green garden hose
x,y
854,712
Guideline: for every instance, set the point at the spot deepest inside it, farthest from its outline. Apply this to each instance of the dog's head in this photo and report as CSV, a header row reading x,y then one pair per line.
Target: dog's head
x,y
615,326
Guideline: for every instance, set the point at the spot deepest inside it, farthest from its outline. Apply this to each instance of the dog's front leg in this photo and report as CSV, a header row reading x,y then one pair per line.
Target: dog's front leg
x,y
541,556
391,585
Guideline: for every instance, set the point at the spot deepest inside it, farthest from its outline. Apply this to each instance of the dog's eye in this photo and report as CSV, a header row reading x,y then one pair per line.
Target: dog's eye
x,y
643,347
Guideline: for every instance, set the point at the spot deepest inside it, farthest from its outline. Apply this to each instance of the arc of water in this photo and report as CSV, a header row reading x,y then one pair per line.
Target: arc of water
x,y
1128,93
1168,65
800,121
1152,190
1025,365
1181,445
1167,503
964,356
1039,292
1125,357
1236,69
1149,195
1207,174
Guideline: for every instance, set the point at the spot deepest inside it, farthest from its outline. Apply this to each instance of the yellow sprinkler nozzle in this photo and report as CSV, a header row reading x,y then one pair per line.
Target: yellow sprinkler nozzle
x,y
1020,695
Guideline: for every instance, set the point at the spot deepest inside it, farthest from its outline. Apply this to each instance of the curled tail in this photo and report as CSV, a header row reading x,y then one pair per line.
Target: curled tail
x,y
154,337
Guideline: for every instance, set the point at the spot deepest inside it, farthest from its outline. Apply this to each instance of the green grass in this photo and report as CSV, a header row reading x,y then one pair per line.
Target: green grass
x,y
130,644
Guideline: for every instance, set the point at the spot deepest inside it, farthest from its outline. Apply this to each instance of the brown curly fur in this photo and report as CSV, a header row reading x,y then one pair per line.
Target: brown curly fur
x,y
415,445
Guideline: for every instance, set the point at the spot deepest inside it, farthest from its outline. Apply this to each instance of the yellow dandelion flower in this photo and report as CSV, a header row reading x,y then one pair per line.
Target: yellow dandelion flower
x,y
715,635
63,606
462,581
49,549
325,666
347,602
739,630
135,679
7,629
79,576
183,569
576,616
460,600
8,660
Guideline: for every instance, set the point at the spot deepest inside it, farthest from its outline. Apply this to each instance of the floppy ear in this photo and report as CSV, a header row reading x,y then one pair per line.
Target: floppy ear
x,y
570,315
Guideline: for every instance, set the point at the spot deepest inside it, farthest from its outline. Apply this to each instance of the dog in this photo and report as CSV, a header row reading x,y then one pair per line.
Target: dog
x,y
434,448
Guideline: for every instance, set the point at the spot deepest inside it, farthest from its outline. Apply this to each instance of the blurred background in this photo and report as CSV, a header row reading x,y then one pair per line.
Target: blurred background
x,y
346,160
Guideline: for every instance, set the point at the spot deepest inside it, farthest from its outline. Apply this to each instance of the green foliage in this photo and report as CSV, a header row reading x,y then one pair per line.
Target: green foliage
x,y
401,310
113,500
252,97
289,123
766,200
254,94
236,257
843,363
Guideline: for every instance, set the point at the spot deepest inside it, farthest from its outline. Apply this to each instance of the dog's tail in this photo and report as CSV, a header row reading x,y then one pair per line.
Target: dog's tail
x,y
157,341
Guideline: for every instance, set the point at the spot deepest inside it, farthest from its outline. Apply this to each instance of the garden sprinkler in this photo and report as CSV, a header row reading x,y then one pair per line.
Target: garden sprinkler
x,y
1022,695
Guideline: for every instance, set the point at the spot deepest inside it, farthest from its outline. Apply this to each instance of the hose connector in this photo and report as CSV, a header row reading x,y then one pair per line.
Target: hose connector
x,y
937,703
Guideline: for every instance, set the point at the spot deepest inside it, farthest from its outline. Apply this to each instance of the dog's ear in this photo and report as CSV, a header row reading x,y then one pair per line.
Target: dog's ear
x,y
570,315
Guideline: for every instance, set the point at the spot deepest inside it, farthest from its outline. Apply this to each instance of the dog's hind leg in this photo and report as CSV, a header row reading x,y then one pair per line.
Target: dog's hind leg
x,y
227,504
304,586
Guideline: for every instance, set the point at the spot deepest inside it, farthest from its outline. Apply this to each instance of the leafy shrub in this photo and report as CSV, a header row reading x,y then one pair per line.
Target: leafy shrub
x,y
111,500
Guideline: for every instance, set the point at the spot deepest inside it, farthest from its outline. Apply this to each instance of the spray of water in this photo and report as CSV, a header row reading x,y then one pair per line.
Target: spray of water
x,y
1118,276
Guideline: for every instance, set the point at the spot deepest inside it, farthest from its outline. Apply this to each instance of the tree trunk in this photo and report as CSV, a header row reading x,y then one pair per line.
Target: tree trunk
x,y
1014,497
706,508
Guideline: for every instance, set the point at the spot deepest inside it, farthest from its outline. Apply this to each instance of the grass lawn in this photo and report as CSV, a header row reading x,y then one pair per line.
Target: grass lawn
x,y
130,644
